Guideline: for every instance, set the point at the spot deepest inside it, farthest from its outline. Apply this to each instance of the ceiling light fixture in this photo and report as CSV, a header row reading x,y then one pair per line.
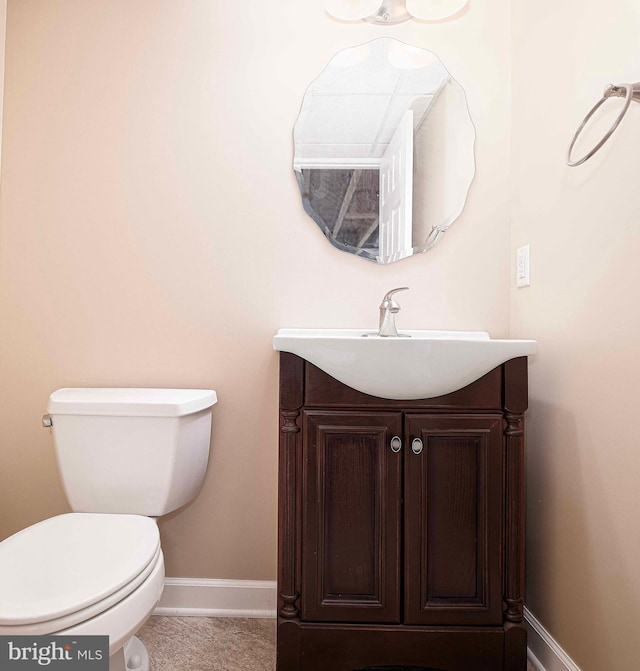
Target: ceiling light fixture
x,y
388,12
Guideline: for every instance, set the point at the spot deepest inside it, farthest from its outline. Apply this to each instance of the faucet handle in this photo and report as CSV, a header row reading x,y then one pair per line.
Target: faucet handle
x,y
388,296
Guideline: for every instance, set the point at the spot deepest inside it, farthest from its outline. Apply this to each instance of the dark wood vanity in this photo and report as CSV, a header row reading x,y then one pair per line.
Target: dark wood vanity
x,y
401,526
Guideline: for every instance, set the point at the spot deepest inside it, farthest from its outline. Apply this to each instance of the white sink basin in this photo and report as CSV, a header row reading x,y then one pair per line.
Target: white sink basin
x,y
425,365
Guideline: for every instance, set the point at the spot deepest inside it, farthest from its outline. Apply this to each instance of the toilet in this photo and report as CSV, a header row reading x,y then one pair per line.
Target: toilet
x,y
126,457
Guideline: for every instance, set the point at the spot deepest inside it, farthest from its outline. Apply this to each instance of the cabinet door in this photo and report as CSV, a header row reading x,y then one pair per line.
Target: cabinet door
x,y
351,517
453,520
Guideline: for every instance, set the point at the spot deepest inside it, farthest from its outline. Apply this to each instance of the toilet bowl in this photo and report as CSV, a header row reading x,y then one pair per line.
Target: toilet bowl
x,y
102,573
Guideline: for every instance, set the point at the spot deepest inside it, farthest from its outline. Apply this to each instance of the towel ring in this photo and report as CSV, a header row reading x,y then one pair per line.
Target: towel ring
x,y
629,92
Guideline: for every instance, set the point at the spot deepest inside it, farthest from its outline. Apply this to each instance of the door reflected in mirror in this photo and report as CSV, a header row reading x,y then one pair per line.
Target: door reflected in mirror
x,y
384,150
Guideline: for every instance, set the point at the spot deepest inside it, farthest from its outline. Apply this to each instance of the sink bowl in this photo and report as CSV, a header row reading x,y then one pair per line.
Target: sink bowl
x,y
424,365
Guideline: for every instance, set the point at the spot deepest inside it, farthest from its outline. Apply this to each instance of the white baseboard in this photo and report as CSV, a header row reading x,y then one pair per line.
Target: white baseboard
x,y
545,653
217,598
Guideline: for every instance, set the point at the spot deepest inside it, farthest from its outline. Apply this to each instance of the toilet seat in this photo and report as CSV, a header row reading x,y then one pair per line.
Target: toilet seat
x,y
72,567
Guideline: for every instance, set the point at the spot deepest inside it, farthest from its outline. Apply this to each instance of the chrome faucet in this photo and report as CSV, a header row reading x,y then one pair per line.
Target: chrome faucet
x,y
388,310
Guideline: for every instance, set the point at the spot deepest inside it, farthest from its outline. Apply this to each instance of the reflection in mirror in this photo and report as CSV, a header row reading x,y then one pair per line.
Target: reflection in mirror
x,y
384,150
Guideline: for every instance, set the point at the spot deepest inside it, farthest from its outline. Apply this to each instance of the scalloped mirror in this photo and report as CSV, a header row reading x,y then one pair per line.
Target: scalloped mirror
x,y
384,150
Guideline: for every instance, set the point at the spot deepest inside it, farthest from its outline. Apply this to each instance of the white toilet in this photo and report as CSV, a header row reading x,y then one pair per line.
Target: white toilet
x,y
126,456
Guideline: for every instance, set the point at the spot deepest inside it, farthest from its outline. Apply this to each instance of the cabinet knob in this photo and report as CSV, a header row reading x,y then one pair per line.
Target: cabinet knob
x,y
417,446
396,444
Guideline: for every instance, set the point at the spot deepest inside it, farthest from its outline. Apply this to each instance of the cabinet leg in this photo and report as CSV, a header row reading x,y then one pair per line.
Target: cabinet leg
x,y
288,649
515,647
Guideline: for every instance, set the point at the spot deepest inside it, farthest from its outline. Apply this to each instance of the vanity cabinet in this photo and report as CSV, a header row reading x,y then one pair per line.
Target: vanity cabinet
x,y
401,526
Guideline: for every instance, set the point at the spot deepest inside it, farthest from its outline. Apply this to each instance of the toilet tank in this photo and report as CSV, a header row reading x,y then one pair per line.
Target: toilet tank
x,y
138,451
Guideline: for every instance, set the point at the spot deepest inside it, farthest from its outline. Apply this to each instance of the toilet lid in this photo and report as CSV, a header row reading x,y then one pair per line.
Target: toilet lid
x,y
70,562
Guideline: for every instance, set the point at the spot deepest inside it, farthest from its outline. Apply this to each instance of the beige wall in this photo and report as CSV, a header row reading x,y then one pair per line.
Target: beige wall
x,y
152,232
582,307
3,27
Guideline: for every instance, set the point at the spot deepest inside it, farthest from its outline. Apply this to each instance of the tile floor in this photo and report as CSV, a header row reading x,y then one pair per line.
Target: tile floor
x,y
212,644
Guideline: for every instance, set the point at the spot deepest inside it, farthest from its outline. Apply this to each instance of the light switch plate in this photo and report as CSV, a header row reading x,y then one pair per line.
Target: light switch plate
x,y
523,267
